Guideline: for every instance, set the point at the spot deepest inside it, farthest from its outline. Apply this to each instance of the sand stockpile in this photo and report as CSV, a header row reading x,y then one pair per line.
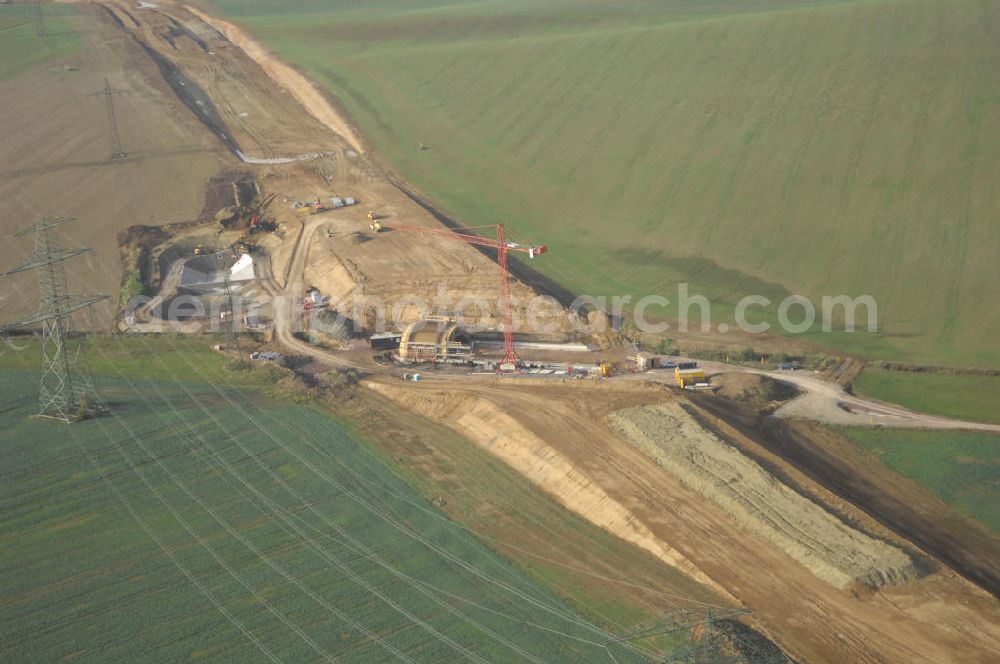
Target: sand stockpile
x,y
761,504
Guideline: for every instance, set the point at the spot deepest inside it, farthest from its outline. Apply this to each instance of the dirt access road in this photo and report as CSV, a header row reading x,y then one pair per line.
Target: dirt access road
x,y
826,401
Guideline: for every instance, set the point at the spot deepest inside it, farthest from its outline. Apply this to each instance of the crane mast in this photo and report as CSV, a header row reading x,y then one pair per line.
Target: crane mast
x,y
503,246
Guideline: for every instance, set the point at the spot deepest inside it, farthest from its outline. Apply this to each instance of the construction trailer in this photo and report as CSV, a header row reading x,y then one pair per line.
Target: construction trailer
x,y
689,374
315,297
644,361
385,341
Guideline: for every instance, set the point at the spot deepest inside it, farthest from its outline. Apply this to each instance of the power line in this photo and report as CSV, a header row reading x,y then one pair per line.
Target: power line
x,y
709,637
386,517
289,519
66,388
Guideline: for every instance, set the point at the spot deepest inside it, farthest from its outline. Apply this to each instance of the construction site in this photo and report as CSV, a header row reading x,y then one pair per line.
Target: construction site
x,y
277,232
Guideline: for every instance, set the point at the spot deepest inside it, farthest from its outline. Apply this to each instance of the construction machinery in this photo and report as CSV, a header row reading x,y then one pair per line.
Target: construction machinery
x,y
257,220
249,217
241,247
373,214
311,207
689,374
314,299
503,246
317,206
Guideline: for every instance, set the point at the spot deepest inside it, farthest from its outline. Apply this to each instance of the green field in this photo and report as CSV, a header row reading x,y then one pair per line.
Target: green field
x,y
962,396
962,468
22,44
768,146
223,525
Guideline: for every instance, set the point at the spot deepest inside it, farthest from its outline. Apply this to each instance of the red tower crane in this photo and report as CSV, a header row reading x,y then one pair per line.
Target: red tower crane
x,y
503,245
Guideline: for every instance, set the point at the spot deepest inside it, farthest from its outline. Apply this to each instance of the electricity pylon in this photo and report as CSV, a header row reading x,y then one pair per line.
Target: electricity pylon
x,y
40,20
114,141
232,325
66,389
324,166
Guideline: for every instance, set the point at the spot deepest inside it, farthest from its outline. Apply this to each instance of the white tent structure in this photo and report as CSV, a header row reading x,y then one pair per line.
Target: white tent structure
x,y
205,275
242,269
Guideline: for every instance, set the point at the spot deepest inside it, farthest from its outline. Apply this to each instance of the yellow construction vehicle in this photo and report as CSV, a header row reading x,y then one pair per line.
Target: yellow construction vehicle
x,y
199,250
375,227
371,215
688,374
311,207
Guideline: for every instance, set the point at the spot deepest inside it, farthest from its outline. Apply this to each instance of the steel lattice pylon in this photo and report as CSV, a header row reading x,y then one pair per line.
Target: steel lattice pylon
x,y
114,140
66,388
40,20
231,322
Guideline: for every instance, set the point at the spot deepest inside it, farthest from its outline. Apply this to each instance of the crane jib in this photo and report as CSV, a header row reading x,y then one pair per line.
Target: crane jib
x,y
510,361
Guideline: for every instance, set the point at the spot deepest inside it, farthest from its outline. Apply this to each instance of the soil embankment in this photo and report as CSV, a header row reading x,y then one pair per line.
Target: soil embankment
x,y
557,435
833,551
193,97
301,89
492,428
901,505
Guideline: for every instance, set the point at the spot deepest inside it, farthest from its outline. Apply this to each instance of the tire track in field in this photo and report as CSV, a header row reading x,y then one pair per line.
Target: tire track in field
x,y
769,119
825,96
970,157
612,117
685,78
564,97
621,46
899,195
706,127
835,238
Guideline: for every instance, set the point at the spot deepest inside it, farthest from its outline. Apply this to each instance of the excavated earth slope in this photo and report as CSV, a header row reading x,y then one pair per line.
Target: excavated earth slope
x,y
483,422
830,549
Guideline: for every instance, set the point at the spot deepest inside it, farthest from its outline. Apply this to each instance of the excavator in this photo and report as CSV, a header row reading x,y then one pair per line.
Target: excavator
x,y
257,221
374,216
